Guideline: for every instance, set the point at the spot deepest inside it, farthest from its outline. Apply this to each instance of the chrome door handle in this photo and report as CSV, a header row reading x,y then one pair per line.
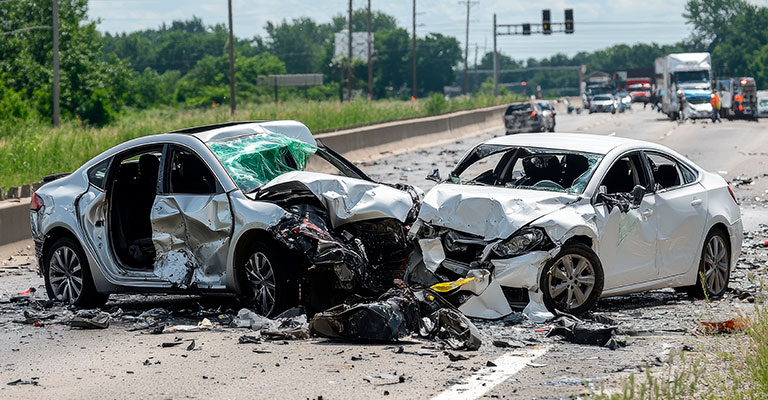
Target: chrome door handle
x,y
696,202
647,212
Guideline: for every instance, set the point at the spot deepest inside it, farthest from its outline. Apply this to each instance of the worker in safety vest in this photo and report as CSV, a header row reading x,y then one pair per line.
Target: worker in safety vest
x,y
715,107
737,100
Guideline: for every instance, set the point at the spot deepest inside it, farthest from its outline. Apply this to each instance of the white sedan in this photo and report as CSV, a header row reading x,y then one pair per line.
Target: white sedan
x,y
561,220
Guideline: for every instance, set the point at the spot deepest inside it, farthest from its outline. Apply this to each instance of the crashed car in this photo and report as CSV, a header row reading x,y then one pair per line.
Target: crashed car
x,y
698,104
556,222
530,116
224,209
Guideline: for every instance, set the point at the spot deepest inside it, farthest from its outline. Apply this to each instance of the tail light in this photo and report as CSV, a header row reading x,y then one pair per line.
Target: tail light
x,y
733,195
36,203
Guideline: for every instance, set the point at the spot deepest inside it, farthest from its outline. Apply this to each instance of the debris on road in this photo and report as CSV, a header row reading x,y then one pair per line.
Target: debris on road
x,y
578,332
385,379
33,381
399,312
730,326
90,320
289,325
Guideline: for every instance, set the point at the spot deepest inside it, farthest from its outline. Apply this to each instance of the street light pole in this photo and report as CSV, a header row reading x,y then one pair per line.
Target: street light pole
x,y
495,61
370,64
414,50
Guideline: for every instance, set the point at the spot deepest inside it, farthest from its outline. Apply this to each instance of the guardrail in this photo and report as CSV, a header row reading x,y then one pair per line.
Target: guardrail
x,y
14,211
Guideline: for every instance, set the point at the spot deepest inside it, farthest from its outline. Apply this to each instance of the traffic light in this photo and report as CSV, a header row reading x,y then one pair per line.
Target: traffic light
x,y
569,20
546,22
526,29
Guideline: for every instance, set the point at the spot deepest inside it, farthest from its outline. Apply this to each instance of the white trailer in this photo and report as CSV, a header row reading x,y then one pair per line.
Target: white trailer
x,y
684,71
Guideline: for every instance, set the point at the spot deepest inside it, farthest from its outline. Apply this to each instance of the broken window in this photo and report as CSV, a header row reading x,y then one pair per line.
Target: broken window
x,y
625,174
668,172
189,174
528,168
257,159
98,173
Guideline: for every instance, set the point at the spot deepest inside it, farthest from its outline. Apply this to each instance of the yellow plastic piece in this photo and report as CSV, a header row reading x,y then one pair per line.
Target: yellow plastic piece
x,y
443,287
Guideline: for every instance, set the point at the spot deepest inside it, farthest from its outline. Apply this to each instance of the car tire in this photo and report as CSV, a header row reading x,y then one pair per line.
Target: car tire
x,y
715,263
560,280
68,275
268,279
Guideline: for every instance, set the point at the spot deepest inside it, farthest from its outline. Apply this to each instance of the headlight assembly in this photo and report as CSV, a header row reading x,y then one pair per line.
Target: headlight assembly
x,y
523,241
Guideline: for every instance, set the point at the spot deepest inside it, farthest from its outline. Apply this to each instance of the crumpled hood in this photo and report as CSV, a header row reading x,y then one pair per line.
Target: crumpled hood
x,y
490,212
347,199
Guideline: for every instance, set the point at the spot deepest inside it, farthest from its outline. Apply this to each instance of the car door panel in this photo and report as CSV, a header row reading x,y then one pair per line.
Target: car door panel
x,y
681,219
627,243
191,231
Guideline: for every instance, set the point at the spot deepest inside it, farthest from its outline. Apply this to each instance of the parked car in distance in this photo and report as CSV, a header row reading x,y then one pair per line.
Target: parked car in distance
x,y
603,103
224,209
562,220
549,114
762,104
528,117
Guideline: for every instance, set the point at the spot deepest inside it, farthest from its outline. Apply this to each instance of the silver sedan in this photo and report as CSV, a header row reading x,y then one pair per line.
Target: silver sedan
x,y
231,209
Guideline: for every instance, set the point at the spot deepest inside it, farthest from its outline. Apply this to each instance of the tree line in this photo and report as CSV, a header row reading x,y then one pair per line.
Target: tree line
x,y
184,63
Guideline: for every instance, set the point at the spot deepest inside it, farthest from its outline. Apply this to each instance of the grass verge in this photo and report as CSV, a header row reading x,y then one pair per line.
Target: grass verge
x,y
30,150
730,367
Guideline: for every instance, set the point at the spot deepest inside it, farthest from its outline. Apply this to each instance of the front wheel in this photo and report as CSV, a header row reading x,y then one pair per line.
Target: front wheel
x,y
572,281
68,277
266,281
714,267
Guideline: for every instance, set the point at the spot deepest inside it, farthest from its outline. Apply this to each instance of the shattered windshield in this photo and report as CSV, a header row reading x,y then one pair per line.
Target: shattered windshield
x,y
257,159
527,168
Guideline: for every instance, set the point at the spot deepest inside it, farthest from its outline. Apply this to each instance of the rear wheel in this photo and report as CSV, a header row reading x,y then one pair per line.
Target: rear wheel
x,y
68,276
572,281
267,279
714,266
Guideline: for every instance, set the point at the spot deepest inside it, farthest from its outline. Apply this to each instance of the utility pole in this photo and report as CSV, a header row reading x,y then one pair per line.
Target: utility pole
x,y
370,64
495,63
475,78
414,49
56,110
232,103
349,56
466,47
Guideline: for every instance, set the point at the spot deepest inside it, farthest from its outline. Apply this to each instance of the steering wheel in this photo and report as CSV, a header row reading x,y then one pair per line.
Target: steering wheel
x,y
547,184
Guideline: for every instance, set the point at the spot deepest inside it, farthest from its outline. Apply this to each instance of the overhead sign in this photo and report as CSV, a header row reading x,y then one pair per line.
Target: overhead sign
x,y
291,80
359,45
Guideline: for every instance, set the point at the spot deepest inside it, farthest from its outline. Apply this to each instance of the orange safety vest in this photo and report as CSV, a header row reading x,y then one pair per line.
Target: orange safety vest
x,y
715,100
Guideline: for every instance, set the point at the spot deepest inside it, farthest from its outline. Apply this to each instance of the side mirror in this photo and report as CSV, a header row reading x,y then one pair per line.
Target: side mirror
x,y
637,195
434,176
602,189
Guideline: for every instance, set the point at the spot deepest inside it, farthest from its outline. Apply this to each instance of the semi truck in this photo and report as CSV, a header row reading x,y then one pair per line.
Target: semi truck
x,y
684,71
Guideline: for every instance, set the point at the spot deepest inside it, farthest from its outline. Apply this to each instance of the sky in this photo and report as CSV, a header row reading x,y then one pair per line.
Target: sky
x,y
598,24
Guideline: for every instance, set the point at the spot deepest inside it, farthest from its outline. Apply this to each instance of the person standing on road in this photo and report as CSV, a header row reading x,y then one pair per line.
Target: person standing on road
x,y
715,107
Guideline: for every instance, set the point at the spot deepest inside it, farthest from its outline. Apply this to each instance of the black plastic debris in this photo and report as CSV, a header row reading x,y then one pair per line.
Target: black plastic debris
x,y
515,344
99,321
35,318
170,344
398,313
191,345
248,339
456,357
17,382
578,332
385,379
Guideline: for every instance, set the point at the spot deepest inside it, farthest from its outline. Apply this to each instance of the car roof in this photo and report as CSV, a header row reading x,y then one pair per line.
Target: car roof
x,y
600,144
231,130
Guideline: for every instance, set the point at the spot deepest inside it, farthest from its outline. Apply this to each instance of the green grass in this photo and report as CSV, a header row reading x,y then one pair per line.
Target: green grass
x,y
30,150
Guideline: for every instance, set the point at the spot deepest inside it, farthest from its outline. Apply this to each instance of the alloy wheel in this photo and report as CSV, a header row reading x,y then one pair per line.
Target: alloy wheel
x,y
258,270
65,274
571,281
716,264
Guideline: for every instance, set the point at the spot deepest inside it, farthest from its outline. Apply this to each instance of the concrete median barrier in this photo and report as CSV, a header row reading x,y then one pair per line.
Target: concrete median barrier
x,y
14,220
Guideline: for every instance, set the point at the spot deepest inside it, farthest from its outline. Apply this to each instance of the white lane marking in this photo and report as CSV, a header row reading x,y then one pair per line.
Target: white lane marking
x,y
489,377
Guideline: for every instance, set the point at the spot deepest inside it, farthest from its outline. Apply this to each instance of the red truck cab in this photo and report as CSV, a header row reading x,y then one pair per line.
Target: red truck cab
x,y
640,89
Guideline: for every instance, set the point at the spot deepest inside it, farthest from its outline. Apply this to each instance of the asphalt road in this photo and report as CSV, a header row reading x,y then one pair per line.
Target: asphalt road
x,y
117,363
